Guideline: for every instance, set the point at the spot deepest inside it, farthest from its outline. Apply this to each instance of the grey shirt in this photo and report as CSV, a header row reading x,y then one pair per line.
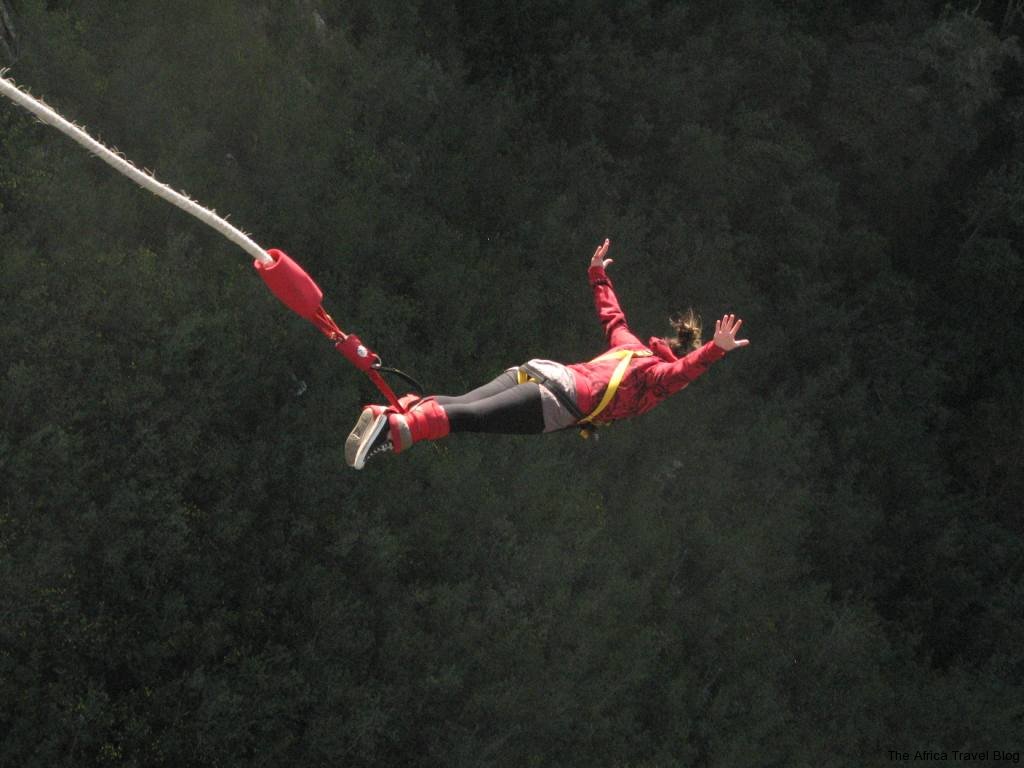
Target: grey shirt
x,y
556,415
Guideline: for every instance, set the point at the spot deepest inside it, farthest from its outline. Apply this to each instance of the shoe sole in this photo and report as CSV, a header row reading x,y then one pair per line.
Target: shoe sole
x,y
362,436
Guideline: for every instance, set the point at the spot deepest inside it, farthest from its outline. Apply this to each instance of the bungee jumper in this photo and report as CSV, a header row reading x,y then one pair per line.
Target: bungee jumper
x,y
537,396
540,396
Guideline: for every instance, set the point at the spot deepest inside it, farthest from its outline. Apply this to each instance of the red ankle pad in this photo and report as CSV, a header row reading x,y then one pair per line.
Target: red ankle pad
x,y
400,432
435,423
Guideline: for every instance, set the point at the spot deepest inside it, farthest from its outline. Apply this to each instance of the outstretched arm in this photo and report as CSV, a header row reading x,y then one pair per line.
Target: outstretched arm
x,y
607,304
669,378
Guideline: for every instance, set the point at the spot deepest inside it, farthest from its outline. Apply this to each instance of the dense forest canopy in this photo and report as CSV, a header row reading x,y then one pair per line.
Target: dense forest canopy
x,y
812,556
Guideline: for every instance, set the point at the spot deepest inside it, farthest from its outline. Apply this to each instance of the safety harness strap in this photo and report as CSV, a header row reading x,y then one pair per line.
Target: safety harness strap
x,y
618,354
527,372
625,356
586,423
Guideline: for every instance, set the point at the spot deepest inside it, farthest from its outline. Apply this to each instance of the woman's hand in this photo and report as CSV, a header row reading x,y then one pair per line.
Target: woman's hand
x,y
598,259
725,333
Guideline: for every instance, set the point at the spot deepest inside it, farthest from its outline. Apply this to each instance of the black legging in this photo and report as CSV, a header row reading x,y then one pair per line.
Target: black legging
x,y
502,406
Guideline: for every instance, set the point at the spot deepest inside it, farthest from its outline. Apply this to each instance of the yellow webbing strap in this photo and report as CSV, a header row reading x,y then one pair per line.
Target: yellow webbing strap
x,y
624,356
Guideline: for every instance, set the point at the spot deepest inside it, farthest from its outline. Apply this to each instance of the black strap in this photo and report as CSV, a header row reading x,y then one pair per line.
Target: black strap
x,y
402,375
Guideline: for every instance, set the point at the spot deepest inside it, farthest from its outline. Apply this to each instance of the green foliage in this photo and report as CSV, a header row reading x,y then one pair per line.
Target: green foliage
x,y
811,555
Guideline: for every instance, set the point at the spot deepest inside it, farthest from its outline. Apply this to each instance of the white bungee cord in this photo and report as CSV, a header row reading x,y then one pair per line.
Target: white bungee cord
x,y
145,180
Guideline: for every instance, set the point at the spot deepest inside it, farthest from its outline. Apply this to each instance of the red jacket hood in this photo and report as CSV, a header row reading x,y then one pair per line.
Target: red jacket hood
x,y
661,348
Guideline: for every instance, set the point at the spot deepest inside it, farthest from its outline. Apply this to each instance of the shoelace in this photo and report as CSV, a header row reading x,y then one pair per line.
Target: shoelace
x,y
382,448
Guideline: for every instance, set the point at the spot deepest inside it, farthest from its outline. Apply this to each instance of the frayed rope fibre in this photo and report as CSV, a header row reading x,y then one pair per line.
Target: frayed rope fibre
x,y
145,180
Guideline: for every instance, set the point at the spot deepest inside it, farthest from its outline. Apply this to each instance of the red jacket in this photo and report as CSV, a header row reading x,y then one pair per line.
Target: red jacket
x,y
649,380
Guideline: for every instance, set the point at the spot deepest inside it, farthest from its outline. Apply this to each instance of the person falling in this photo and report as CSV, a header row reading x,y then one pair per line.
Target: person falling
x,y
546,396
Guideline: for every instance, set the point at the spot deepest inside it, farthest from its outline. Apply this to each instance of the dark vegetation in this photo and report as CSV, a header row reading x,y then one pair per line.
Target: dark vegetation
x,y
814,554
